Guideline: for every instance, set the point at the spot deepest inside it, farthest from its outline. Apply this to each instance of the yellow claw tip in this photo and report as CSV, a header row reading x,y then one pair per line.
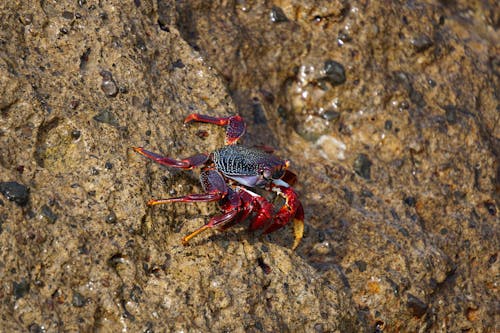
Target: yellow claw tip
x,y
298,231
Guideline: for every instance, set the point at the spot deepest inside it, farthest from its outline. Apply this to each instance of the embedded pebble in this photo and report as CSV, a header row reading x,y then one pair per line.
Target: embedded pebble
x,y
362,166
334,72
421,43
417,306
15,192
48,214
277,15
78,300
331,148
106,117
20,289
108,85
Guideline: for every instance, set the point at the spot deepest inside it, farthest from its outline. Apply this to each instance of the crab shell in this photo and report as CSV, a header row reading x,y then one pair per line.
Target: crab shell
x,y
251,167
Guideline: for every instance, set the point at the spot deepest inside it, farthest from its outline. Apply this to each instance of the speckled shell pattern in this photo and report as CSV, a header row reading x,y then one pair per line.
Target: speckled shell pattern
x,y
244,161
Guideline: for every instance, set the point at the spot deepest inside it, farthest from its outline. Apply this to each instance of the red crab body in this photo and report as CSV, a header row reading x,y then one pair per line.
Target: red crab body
x,y
228,174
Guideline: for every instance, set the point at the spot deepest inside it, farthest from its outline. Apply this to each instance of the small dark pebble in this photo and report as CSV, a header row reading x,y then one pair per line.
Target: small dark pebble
x,y
366,193
148,133
282,113
74,104
35,328
362,166
78,300
431,83
26,19
349,195
178,64
67,15
417,307
83,249
20,289
140,44
265,267
404,231
361,265
410,201
111,218
202,134
64,30
417,98
259,326
318,328
116,259
108,165
20,169
15,192
48,214
84,58
277,15
343,38
94,171
490,206
422,43
379,327
451,114
330,115
388,125
106,117
108,84
493,259
259,116
135,293
334,72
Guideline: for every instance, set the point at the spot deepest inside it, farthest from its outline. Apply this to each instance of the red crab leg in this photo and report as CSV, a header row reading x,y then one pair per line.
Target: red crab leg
x,y
215,221
187,163
235,125
234,212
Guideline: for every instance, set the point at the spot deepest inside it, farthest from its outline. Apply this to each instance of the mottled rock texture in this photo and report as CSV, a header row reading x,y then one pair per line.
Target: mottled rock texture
x,y
388,111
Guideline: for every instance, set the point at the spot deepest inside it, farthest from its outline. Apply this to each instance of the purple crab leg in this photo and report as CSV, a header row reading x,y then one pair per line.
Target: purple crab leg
x,y
235,125
213,184
187,163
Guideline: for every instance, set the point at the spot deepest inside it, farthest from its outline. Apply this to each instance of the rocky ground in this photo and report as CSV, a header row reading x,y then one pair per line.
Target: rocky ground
x,y
389,113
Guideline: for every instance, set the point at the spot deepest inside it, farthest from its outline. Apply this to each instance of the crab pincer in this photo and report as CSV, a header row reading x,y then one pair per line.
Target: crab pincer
x,y
235,125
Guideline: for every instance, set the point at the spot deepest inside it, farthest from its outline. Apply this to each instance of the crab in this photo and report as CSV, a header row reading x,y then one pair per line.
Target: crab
x,y
231,175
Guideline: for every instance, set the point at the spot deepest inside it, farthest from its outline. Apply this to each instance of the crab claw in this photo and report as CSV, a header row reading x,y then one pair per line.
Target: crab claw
x,y
292,209
235,125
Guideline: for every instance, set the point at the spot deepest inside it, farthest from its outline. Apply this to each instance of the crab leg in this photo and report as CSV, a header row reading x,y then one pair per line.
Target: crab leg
x,y
234,212
187,163
235,125
214,222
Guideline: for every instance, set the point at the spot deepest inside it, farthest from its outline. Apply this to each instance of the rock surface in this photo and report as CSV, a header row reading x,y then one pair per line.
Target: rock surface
x,y
389,114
